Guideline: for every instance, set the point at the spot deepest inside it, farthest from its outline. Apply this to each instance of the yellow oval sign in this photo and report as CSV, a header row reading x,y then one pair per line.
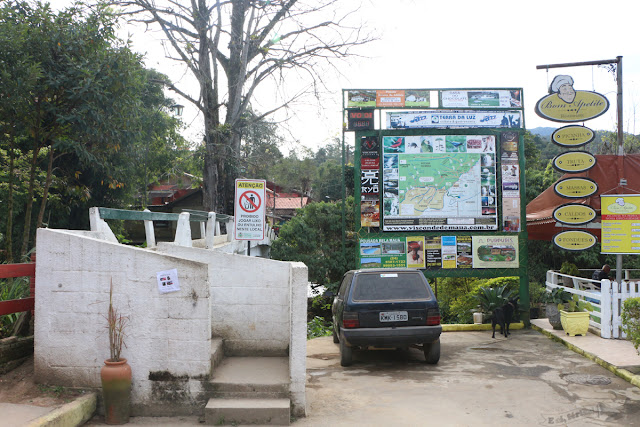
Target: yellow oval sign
x,y
575,214
585,106
572,136
574,161
575,188
574,240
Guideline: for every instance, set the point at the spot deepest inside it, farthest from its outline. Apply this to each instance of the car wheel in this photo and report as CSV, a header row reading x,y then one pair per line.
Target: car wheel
x,y
432,352
346,353
334,335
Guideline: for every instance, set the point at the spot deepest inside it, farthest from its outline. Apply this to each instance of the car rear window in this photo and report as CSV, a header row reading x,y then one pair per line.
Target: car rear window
x,y
389,286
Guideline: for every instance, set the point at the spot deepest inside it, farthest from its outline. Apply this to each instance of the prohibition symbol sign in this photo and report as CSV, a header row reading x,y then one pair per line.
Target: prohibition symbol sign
x,y
250,201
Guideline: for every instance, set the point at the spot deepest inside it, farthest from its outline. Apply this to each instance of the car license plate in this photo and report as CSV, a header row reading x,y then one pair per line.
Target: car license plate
x,y
394,316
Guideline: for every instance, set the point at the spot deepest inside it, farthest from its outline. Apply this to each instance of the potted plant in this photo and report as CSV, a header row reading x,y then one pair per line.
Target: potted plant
x,y
569,269
489,299
557,297
575,317
536,294
116,372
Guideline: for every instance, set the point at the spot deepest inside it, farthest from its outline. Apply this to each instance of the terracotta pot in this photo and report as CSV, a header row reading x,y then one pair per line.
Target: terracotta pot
x,y
116,391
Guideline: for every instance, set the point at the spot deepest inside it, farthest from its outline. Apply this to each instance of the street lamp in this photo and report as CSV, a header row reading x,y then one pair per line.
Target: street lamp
x,y
177,109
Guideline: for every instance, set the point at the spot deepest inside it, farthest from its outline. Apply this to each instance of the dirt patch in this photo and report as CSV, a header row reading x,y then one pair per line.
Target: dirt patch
x,y
18,386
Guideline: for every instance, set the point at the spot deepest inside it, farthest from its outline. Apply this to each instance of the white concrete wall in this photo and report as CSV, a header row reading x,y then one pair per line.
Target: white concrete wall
x,y
168,336
250,300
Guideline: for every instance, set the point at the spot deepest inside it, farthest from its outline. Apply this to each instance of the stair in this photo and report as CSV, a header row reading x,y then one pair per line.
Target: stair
x,y
248,390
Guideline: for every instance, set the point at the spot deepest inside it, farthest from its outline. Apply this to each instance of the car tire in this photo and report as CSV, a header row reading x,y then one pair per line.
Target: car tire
x,y
334,335
346,353
432,352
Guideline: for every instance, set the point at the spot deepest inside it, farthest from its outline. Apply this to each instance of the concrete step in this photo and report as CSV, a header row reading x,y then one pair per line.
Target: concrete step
x,y
217,352
248,411
251,376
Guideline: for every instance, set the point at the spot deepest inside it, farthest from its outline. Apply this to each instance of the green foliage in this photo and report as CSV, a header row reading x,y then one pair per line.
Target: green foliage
x,y
318,327
556,296
314,237
576,305
82,123
11,289
489,298
631,320
569,268
537,292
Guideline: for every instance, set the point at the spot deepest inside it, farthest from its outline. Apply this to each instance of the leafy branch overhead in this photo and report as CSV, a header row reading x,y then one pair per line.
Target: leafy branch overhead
x,y
231,48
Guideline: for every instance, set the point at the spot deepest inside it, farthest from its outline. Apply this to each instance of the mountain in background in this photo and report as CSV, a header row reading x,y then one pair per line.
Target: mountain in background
x,y
544,132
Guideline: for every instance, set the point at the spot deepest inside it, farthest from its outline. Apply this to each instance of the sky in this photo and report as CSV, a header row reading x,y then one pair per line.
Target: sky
x,y
426,44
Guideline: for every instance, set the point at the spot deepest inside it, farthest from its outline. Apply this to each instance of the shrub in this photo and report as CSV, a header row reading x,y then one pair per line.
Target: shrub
x,y
488,299
11,289
318,327
631,320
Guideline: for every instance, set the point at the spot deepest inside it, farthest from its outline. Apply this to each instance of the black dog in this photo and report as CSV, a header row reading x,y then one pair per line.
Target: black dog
x,y
502,316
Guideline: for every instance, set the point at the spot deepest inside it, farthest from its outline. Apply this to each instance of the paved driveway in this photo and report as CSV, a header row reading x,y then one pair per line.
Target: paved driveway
x,y
525,380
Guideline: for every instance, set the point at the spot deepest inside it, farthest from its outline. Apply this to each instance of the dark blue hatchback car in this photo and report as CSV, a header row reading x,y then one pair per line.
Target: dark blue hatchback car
x,y
386,308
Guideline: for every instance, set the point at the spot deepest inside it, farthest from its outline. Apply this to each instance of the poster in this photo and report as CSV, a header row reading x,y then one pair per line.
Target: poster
x,y
415,252
464,258
168,281
370,213
495,252
369,152
449,251
511,214
439,182
453,119
369,182
382,252
620,224
388,98
481,98
433,250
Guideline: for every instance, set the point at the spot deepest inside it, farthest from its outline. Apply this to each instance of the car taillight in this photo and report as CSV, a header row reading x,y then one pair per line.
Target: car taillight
x,y
350,320
433,317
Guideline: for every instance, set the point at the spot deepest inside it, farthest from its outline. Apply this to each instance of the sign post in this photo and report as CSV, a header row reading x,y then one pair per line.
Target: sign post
x,y
249,208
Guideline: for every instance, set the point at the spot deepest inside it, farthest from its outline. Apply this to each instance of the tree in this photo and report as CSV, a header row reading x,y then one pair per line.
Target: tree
x,y
240,45
78,103
314,236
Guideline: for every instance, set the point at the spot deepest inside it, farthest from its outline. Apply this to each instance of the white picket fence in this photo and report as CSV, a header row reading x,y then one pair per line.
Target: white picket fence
x,y
606,297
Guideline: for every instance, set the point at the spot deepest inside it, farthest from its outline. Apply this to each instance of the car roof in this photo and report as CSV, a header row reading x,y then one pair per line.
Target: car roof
x,y
384,270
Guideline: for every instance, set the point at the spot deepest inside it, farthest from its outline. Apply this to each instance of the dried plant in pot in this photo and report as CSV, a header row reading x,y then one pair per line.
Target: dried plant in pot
x,y
116,372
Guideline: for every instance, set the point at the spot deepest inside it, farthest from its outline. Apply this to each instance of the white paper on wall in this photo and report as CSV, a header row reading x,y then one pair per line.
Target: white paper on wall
x,y
168,281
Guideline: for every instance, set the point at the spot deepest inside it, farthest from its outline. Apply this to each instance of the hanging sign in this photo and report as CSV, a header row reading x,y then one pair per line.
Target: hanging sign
x,y
574,161
574,214
574,240
572,136
575,188
565,104
250,201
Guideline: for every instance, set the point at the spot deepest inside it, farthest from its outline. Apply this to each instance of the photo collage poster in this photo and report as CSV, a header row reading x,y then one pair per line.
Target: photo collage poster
x,y
369,181
435,252
510,172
